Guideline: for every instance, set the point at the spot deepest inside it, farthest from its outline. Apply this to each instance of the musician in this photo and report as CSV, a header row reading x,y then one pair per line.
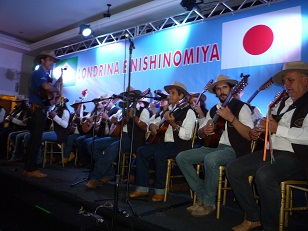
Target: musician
x,y
177,138
75,130
138,116
17,121
288,125
39,81
88,131
234,141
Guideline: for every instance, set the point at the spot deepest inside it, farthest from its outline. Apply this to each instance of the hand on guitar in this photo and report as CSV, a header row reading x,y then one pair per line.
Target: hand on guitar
x,y
225,113
208,129
114,119
261,125
52,114
199,111
153,129
170,118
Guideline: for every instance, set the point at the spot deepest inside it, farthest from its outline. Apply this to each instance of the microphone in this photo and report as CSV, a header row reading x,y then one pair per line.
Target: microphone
x,y
65,100
130,40
162,95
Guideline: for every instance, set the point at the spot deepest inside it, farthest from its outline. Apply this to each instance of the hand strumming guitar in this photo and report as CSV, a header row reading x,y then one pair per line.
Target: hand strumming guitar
x,y
226,113
52,114
261,126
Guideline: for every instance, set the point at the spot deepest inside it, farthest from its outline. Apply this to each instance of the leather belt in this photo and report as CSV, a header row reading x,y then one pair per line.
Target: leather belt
x,y
34,106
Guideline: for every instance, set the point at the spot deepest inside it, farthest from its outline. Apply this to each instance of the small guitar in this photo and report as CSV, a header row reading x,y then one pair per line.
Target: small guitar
x,y
49,98
219,123
263,87
204,90
163,125
115,128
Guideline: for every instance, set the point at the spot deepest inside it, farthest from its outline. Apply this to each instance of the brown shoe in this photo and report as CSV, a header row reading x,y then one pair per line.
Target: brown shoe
x,y
203,210
92,184
158,197
247,225
194,206
35,174
136,194
105,179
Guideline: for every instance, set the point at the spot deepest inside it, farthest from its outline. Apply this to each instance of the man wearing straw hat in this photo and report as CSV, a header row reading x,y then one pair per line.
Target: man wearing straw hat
x,y
38,112
176,138
289,158
234,141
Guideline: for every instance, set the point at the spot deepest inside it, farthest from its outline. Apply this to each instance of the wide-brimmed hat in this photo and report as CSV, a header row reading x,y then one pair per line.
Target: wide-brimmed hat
x,y
177,85
76,103
131,90
43,54
291,66
196,95
162,94
104,96
219,79
20,98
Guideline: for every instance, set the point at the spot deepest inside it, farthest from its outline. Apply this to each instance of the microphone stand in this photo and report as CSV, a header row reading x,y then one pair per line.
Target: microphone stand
x,y
118,176
95,101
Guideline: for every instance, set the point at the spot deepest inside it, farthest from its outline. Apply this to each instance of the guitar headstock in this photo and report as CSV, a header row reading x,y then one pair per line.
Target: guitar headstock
x,y
208,84
278,97
240,85
265,85
145,92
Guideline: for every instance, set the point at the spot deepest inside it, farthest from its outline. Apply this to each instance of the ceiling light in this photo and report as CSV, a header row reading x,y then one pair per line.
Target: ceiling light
x,y
85,30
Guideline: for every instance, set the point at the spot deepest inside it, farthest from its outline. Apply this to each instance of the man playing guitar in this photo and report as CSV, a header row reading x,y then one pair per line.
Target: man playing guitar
x,y
38,111
233,142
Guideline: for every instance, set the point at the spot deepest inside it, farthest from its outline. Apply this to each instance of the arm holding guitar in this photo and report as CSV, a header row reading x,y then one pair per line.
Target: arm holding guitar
x,y
49,88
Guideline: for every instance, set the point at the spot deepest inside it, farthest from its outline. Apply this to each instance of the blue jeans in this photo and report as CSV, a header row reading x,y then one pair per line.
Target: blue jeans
x,y
83,155
160,153
103,162
212,158
69,144
267,179
16,139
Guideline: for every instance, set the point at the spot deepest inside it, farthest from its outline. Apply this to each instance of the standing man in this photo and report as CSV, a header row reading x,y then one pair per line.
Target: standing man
x,y
288,126
180,126
233,142
39,81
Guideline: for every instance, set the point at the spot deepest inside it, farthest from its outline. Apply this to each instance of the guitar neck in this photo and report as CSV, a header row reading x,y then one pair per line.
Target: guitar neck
x,y
253,96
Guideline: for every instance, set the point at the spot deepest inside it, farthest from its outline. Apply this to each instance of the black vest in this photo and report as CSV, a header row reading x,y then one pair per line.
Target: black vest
x,y
301,111
240,145
179,116
61,132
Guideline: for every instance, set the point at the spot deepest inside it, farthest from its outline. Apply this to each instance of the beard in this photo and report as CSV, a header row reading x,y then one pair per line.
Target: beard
x,y
222,100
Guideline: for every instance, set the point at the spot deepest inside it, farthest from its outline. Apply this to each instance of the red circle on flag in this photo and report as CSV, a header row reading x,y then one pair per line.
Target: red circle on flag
x,y
258,39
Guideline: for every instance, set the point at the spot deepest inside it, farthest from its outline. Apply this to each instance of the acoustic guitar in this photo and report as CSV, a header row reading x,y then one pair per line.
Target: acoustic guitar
x,y
49,98
115,128
259,144
163,125
219,122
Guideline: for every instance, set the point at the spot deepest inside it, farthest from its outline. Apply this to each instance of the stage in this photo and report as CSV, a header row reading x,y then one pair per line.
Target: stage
x,y
53,203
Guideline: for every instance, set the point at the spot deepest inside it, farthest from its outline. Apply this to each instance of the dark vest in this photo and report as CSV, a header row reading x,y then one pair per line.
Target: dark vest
x,y
61,132
240,145
20,115
139,134
179,116
102,125
298,117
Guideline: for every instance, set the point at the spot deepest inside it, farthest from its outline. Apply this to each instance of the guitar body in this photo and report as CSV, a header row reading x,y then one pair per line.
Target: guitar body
x,y
154,139
212,141
48,98
115,129
87,125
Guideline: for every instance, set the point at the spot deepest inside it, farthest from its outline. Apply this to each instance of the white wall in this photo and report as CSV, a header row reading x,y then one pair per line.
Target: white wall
x,y
15,70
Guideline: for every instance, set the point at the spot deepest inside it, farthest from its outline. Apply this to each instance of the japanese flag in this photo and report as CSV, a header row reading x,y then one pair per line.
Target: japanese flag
x,y
263,39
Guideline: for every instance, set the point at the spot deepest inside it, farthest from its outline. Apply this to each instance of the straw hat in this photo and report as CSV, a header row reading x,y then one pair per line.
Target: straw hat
x,y
291,66
20,98
76,103
177,85
131,90
220,79
43,54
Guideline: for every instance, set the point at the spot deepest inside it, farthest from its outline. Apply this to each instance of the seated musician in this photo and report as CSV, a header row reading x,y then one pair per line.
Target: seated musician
x,y
87,131
179,129
17,121
235,122
288,125
103,162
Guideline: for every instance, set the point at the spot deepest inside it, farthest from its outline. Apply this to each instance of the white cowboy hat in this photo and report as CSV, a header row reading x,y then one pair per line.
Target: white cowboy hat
x,y
177,85
291,66
219,79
